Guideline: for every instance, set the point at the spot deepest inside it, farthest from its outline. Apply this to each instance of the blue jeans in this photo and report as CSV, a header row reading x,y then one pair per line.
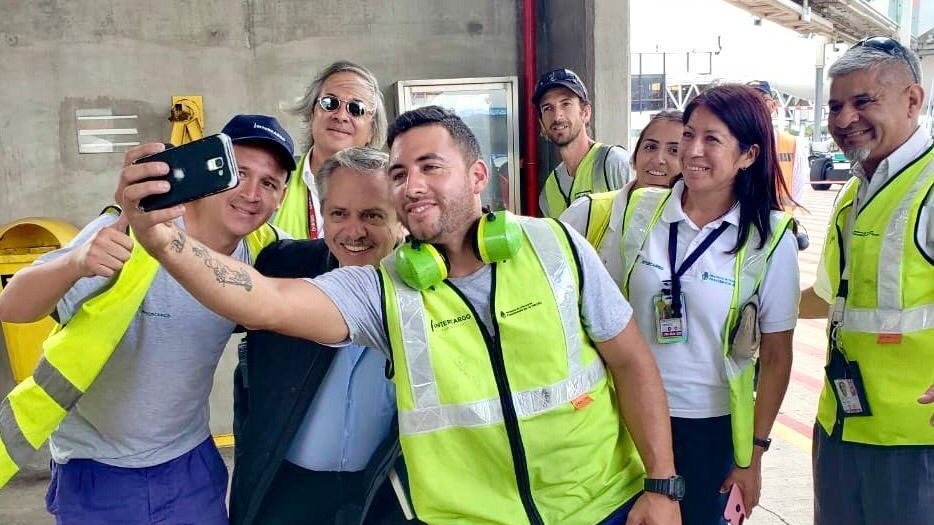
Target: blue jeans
x,y
190,489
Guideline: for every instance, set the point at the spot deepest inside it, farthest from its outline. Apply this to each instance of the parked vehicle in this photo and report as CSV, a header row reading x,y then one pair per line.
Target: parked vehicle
x,y
828,165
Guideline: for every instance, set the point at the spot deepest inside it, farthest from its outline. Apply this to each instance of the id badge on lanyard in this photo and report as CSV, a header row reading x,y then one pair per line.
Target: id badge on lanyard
x,y
848,387
669,327
669,305
844,375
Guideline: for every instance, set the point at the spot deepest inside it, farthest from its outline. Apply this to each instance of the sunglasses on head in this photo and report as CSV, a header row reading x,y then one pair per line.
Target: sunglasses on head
x,y
558,75
891,47
331,103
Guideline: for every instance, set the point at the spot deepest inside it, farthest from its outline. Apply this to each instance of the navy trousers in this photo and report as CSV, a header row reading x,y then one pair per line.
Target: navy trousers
x,y
190,489
857,484
704,457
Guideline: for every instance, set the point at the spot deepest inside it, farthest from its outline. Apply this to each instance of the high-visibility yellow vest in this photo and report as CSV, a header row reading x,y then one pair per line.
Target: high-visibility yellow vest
x,y
635,229
74,355
642,214
519,425
292,216
785,147
583,183
888,312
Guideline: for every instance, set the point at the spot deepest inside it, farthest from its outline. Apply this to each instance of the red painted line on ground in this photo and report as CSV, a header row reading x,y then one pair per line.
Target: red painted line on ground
x,y
801,428
809,349
810,382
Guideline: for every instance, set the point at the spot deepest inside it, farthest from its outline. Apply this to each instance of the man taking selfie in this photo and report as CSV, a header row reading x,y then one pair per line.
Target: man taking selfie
x,y
136,446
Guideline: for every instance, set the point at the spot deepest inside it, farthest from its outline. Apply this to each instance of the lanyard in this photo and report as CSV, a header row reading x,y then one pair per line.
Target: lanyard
x,y
312,219
688,260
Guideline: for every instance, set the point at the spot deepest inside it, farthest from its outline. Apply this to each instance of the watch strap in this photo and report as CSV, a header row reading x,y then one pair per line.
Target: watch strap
x,y
764,443
672,487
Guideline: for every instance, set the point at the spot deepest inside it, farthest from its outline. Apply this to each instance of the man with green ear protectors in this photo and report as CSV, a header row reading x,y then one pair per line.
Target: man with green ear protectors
x,y
496,238
501,330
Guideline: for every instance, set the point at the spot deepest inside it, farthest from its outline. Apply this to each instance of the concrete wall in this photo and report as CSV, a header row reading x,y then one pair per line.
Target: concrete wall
x,y
590,37
242,56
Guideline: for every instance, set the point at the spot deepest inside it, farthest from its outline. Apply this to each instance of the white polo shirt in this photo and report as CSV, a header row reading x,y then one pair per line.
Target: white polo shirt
x,y
693,372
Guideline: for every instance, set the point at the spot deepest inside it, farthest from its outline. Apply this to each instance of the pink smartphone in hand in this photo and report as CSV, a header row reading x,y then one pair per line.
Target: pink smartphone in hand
x,y
735,511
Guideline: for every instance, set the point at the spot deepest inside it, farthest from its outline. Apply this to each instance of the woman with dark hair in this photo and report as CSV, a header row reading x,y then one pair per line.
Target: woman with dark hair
x,y
655,162
711,272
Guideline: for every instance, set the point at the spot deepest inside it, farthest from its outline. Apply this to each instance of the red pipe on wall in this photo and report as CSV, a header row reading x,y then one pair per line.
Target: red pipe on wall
x,y
530,127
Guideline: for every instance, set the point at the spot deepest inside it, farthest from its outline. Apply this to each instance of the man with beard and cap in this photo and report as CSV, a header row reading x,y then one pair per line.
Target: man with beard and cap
x,y
503,333
587,166
873,441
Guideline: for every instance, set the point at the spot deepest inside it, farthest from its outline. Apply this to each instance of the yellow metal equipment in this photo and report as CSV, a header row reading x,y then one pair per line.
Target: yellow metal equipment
x,y
187,116
21,243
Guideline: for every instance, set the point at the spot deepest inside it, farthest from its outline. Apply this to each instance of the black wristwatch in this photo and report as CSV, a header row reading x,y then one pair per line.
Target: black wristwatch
x,y
672,487
764,443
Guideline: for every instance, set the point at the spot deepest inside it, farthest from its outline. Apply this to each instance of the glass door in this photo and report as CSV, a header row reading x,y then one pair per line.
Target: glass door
x,y
489,107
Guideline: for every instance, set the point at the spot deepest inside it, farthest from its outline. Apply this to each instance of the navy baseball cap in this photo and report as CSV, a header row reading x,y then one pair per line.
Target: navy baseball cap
x,y
266,130
560,78
762,86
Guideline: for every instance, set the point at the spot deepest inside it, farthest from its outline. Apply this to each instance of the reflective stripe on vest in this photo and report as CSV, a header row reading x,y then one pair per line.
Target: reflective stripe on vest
x,y
74,355
582,183
887,316
430,415
292,216
785,147
636,227
466,455
599,211
890,316
643,213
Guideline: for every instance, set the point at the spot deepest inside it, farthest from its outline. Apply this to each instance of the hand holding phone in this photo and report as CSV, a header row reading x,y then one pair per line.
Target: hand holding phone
x,y
735,511
197,169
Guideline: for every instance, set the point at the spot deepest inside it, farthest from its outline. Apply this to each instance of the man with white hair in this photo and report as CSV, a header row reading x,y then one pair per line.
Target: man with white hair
x,y
873,443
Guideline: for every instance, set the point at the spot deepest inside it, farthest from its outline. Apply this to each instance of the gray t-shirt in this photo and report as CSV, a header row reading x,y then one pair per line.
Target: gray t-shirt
x,y
150,402
618,173
356,292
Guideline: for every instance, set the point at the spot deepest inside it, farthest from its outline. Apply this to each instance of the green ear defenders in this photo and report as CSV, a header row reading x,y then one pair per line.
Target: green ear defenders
x,y
497,239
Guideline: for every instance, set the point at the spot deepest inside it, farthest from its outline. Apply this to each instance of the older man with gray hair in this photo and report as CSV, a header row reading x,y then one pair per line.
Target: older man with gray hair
x,y
342,108
873,443
313,426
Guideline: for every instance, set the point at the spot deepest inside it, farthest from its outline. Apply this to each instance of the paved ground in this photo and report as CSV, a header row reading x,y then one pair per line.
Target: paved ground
x,y
786,494
787,490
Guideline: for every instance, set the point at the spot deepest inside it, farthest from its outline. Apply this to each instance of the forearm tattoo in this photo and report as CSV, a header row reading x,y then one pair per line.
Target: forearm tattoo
x,y
222,273
178,243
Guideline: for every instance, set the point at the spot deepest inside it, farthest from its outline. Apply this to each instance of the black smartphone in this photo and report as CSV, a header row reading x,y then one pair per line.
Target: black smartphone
x,y
197,169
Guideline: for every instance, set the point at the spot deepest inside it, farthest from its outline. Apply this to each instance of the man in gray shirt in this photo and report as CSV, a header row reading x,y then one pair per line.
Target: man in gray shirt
x,y
136,448
564,111
501,346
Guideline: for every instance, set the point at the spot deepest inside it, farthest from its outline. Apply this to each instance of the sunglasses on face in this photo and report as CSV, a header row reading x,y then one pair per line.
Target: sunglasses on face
x,y
331,104
890,47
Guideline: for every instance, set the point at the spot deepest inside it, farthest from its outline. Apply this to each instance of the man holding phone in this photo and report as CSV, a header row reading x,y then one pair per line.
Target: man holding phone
x,y
532,437
137,447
